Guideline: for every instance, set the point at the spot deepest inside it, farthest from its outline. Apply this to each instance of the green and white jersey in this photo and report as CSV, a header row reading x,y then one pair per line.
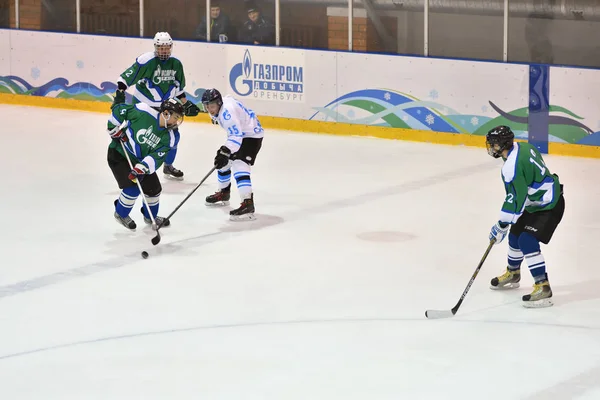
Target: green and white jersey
x,y
529,184
154,80
148,143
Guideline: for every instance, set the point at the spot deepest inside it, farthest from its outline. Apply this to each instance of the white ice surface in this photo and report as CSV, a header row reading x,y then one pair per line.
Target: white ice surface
x,y
322,297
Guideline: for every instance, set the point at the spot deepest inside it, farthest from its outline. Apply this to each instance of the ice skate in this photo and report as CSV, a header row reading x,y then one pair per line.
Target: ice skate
x,y
159,220
220,198
540,297
127,222
508,280
173,173
245,212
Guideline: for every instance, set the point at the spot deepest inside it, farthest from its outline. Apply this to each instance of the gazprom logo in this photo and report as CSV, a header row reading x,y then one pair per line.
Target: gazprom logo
x,y
247,64
267,81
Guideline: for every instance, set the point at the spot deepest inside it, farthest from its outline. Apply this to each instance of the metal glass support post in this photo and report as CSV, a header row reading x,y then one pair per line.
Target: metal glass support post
x,y
505,31
277,22
426,29
17,14
350,21
141,18
78,15
208,19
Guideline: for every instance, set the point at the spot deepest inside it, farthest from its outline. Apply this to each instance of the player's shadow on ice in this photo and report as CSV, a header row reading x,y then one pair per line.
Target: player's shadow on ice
x,y
262,221
125,241
170,187
190,246
562,294
575,293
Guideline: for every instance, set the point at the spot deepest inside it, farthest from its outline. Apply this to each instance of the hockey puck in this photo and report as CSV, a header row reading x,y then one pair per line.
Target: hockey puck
x,y
144,254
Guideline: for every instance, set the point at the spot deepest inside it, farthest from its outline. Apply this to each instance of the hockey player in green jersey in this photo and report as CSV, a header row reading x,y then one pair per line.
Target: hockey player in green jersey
x,y
533,208
147,136
158,76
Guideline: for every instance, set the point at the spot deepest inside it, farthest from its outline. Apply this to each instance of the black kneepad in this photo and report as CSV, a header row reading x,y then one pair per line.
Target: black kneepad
x,y
151,185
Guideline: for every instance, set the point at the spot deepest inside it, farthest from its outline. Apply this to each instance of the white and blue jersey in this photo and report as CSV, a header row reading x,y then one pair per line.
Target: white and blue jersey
x,y
239,122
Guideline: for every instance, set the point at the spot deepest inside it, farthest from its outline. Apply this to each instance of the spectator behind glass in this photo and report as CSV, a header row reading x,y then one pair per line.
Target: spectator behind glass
x,y
220,25
257,29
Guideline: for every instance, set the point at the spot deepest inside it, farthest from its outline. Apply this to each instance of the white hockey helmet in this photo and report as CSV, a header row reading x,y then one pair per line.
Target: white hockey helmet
x,y
163,45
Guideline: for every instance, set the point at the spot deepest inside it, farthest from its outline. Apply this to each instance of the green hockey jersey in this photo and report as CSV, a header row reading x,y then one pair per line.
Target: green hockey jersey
x,y
154,80
148,143
529,184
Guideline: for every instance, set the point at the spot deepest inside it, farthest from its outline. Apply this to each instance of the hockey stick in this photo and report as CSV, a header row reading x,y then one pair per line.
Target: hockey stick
x,y
436,314
139,186
156,239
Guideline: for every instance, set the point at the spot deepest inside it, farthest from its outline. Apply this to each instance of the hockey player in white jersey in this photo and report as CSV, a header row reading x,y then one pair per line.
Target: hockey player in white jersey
x,y
238,154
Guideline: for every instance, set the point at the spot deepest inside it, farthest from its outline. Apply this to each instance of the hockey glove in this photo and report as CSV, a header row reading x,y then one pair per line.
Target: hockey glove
x,y
119,98
118,133
499,231
190,109
223,156
138,172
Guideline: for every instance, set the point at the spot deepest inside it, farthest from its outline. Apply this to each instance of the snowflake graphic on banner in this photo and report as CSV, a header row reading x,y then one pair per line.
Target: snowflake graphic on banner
x,y
80,64
430,119
434,94
474,121
387,96
35,72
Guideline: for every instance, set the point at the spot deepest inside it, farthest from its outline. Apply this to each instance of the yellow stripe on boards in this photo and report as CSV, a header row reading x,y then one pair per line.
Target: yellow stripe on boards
x,y
300,125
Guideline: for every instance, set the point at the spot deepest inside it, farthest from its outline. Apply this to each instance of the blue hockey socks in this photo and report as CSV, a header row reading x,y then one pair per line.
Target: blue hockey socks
x,y
530,247
127,200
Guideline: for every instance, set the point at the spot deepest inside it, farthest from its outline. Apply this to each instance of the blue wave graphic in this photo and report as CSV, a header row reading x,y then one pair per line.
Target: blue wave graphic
x,y
591,140
61,85
415,113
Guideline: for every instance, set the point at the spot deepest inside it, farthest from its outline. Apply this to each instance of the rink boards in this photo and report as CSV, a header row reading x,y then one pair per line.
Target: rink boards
x,y
394,97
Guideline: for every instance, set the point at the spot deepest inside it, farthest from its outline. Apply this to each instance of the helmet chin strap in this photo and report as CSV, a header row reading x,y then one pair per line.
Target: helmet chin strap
x,y
176,124
162,114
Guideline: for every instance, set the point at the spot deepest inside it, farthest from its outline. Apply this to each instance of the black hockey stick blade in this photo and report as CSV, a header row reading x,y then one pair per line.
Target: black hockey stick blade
x,y
437,314
156,239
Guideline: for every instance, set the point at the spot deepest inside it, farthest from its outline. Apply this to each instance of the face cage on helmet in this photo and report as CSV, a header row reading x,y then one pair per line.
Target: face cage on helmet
x,y
496,153
159,47
491,151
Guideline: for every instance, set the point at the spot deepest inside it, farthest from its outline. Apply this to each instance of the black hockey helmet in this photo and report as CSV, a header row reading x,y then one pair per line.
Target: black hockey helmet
x,y
212,96
502,136
173,106
176,112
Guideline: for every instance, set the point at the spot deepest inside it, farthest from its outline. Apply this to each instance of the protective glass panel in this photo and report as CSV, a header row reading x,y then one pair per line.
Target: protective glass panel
x,y
238,21
119,19
182,19
388,27
48,15
550,32
7,14
305,24
56,15
337,26
466,30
